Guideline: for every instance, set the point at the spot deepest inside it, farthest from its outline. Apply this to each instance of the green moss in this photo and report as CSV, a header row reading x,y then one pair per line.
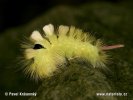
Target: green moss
x,y
75,82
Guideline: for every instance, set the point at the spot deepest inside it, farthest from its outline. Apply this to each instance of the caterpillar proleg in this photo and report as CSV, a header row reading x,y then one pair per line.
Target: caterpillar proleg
x,y
48,51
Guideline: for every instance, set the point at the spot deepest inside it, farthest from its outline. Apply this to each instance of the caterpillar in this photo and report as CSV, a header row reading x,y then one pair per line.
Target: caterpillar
x,y
45,53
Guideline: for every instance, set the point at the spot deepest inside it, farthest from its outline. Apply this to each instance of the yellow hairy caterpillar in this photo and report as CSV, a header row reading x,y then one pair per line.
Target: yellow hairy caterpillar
x,y
45,53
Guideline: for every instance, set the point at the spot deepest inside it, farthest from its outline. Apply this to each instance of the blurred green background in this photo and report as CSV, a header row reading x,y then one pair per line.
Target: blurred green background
x,y
111,21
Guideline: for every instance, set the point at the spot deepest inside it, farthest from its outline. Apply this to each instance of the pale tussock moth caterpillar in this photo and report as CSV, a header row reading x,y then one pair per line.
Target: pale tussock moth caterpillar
x,y
51,49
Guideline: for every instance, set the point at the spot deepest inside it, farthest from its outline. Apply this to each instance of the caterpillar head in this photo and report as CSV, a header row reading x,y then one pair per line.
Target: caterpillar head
x,y
49,51
40,58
